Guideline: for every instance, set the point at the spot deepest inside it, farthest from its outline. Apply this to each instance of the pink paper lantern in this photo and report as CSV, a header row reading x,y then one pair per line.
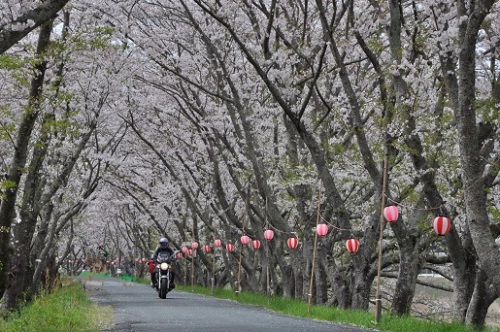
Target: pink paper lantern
x,y
190,252
352,245
179,255
206,248
194,245
230,247
217,243
292,243
441,225
184,250
391,213
244,240
268,234
322,230
144,259
256,244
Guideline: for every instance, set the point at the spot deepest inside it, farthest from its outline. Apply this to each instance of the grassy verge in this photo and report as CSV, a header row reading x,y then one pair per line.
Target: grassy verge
x,y
67,309
359,318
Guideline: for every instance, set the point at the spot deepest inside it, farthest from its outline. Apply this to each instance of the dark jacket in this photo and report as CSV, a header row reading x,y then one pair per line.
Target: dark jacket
x,y
157,251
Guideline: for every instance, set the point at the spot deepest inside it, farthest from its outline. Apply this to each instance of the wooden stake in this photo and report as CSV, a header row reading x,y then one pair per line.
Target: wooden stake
x,y
238,286
378,300
313,266
192,259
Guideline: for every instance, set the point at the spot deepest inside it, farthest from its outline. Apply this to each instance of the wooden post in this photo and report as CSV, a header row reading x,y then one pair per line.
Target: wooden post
x,y
268,293
192,269
193,259
313,265
268,279
185,270
212,279
238,286
378,300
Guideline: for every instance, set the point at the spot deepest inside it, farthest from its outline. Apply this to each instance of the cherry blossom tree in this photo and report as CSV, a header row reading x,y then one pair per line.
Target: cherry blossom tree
x,y
229,118
19,18
62,113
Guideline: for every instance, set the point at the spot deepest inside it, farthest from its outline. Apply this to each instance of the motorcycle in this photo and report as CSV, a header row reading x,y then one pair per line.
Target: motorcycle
x,y
164,266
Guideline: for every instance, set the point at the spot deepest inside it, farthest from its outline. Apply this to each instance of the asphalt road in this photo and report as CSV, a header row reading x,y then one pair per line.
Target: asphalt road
x,y
138,308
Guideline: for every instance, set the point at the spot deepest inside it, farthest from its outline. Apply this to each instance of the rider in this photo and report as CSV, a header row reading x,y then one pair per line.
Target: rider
x,y
163,248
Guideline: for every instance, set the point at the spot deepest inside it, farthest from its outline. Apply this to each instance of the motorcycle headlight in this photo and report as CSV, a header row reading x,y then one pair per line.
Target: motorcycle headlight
x,y
164,266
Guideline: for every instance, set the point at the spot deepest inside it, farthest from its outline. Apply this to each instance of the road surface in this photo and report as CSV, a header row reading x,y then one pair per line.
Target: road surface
x,y
138,308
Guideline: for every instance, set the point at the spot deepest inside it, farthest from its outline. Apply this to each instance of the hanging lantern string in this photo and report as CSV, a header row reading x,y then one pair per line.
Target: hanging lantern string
x,y
412,207
478,179
269,226
334,226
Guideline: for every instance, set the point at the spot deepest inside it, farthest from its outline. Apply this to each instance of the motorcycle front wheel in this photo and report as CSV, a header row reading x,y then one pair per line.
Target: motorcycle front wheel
x,y
163,288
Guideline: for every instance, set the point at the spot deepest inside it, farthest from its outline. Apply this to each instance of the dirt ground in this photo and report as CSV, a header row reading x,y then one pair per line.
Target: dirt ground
x,y
437,304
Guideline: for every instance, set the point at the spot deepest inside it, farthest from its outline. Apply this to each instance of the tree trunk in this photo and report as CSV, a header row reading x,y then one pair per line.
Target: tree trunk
x,y
361,286
28,215
340,279
321,277
469,143
50,279
464,265
411,243
301,195
482,298
228,270
300,282
7,207
288,282
341,284
409,267
363,271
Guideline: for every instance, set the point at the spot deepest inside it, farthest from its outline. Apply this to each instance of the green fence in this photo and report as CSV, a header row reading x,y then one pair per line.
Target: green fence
x,y
128,278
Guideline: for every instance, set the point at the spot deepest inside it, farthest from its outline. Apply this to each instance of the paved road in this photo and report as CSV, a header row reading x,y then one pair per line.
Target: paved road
x,y
138,308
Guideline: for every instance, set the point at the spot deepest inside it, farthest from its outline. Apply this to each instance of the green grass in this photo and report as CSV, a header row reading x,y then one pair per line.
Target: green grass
x,y
67,309
299,308
87,274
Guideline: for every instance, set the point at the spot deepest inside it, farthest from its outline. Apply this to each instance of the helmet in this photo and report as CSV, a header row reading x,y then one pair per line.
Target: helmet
x,y
163,242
